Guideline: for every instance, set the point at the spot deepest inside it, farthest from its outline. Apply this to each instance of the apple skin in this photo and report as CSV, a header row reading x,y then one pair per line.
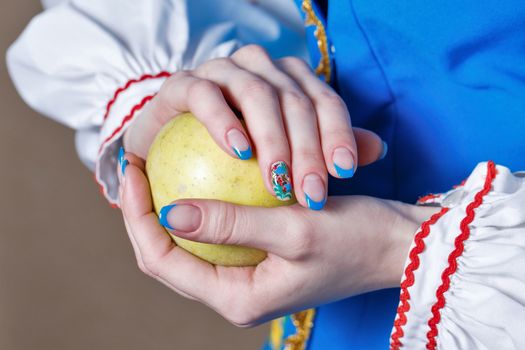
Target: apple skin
x,y
185,162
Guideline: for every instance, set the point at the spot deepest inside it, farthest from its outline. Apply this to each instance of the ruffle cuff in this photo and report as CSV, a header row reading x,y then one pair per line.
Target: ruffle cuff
x,y
464,281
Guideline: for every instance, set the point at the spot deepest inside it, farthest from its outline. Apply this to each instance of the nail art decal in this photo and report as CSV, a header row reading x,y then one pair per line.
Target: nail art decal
x,y
344,173
243,155
282,184
313,204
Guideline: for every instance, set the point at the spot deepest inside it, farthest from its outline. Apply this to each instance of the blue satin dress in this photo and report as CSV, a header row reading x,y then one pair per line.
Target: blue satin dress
x,y
443,83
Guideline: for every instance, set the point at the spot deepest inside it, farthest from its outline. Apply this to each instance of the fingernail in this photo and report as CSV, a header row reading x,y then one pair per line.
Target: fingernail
x,y
182,217
124,165
239,144
314,191
343,163
385,151
282,184
121,154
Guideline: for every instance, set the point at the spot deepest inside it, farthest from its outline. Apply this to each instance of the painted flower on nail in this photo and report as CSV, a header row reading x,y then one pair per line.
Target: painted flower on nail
x,y
282,185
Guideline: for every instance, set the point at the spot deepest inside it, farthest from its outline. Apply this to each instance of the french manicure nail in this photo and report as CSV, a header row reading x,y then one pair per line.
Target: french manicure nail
x,y
343,163
314,191
239,144
124,165
281,181
121,154
384,151
182,217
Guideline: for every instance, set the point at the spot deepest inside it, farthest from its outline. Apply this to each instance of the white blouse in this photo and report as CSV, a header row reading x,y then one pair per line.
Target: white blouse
x,y
93,64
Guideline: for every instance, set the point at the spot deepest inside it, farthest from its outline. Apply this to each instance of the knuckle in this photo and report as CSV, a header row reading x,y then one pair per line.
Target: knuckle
x,y
215,64
222,223
309,154
173,80
200,88
302,240
298,99
166,87
329,97
294,63
179,75
343,134
272,143
257,88
251,52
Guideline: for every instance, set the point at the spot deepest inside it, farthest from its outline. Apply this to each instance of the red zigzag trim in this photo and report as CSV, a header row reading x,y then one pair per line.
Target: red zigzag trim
x,y
126,119
409,280
162,74
427,198
129,116
459,244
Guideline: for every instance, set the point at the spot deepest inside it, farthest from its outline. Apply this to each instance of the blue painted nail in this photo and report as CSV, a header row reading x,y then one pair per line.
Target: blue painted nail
x,y
121,153
123,166
313,204
243,155
163,216
385,151
344,173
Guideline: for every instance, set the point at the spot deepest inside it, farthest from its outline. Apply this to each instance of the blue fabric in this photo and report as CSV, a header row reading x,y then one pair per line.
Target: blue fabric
x,y
443,82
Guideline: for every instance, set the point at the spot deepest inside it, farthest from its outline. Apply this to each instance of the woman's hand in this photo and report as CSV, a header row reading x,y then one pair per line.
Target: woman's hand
x,y
291,117
355,245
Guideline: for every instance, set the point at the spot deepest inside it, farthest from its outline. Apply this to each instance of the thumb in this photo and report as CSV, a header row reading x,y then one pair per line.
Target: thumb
x,y
370,147
217,222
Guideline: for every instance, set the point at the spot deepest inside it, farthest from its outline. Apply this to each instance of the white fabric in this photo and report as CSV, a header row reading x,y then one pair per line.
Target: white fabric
x,y
485,305
70,60
50,3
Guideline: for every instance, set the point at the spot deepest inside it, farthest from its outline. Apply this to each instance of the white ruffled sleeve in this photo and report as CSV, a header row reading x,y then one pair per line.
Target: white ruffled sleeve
x,y
93,64
464,282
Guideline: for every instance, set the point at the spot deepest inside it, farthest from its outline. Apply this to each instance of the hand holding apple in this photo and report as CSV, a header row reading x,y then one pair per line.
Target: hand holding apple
x,y
290,116
354,245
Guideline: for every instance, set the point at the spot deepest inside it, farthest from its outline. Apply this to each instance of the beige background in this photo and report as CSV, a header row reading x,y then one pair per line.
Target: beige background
x,y
68,279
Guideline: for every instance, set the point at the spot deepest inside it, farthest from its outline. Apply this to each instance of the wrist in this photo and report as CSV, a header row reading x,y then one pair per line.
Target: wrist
x,y
399,231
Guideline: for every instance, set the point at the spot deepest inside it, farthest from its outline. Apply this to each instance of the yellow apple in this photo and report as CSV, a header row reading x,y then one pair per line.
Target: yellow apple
x,y
185,162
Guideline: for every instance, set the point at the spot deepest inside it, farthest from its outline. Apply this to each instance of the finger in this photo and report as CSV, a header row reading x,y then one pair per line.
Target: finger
x,y
161,258
260,108
337,139
308,166
218,222
185,93
124,159
370,147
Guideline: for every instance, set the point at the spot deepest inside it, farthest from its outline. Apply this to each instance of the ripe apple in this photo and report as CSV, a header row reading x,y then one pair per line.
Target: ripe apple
x,y
185,162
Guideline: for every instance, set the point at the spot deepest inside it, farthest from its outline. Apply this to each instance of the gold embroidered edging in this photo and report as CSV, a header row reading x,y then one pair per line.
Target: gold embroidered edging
x,y
323,67
303,322
276,333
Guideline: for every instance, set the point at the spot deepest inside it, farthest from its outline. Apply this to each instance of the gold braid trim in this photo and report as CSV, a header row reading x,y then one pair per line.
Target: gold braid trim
x,y
303,322
323,67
